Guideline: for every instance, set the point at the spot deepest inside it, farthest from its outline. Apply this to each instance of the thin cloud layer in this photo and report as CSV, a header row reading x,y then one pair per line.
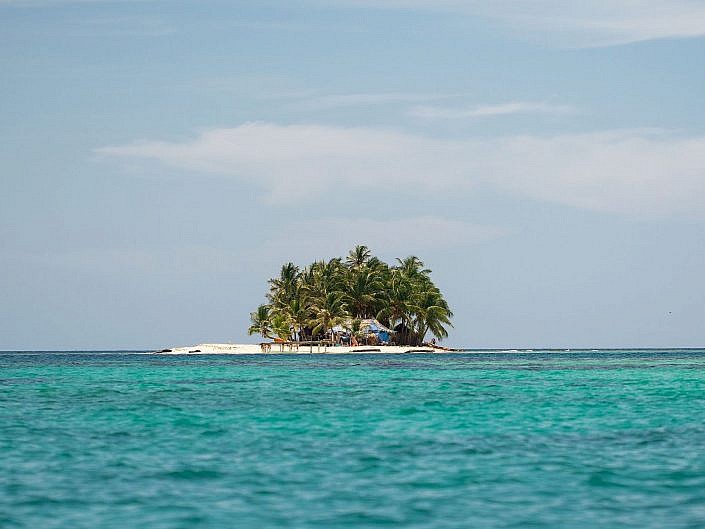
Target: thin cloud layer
x,y
303,160
630,172
642,173
587,23
582,24
483,111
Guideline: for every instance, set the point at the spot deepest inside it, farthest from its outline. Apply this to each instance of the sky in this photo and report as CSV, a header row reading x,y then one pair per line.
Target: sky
x,y
161,159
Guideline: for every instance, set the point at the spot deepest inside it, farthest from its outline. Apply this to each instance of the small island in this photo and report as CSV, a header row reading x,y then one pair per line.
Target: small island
x,y
356,300
356,304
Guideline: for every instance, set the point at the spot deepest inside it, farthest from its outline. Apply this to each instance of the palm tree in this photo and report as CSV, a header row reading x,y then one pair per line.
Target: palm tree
x,y
284,288
321,278
413,268
261,322
281,326
328,312
326,293
363,290
358,257
298,315
398,304
432,314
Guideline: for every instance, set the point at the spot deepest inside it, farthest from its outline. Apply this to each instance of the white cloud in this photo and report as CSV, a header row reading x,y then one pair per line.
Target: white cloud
x,y
586,23
297,161
635,171
481,111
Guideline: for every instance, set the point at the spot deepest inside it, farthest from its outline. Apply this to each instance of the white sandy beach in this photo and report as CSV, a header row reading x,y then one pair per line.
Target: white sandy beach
x,y
247,349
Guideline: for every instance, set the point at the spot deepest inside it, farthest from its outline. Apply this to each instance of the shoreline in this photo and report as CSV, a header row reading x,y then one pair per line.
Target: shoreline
x,y
249,349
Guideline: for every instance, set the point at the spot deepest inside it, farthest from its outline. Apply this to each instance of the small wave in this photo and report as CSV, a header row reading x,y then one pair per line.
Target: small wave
x,y
192,473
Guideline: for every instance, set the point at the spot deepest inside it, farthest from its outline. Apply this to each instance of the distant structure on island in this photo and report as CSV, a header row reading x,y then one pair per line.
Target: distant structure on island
x,y
356,300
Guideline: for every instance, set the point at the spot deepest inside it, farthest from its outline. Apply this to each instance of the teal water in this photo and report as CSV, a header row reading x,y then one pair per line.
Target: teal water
x,y
560,440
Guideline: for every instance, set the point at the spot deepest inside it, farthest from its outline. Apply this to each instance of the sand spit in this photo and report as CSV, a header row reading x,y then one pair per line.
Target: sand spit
x,y
248,349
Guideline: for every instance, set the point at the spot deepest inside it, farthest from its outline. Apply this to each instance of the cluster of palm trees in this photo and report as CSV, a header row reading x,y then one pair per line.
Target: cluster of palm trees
x,y
306,303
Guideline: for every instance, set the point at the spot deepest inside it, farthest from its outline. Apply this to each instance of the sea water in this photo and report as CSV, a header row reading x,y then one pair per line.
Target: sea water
x,y
512,440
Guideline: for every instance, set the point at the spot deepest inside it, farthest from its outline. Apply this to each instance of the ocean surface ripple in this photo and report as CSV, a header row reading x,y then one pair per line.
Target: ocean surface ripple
x,y
574,440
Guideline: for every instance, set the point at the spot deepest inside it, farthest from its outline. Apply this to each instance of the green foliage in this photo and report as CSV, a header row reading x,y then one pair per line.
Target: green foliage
x,y
280,325
261,322
307,302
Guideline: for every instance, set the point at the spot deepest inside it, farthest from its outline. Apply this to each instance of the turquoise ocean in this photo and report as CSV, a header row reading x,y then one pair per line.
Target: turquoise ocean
x,y
526,439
